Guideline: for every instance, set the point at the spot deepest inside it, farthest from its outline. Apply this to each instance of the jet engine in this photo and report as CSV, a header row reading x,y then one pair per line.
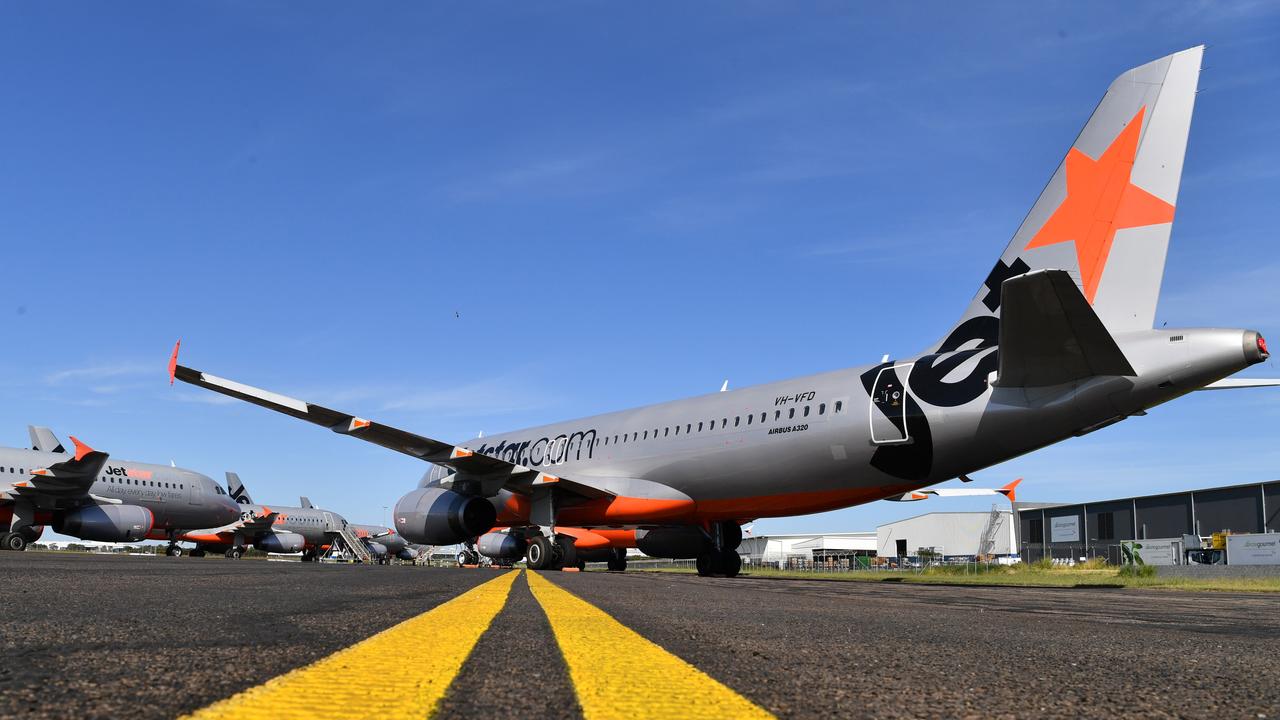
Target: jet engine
x,y
672,542
106,523
436,516
377,549
407,553
501,546
281,542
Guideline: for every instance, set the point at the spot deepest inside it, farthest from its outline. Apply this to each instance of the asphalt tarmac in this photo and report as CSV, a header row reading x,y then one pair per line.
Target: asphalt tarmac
x,y
155,637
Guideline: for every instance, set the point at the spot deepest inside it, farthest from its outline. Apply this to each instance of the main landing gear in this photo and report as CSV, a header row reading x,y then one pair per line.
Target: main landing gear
x,y
14,541
234,553
546,554
722,557
618,560
21,530
173,550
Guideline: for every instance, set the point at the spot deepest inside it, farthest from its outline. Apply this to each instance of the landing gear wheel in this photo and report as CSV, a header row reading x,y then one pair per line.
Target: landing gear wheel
x,y
308,556
566,552
703,564
541,554
618,560
730,563
14,541
197,553
712,562
235,553
173,551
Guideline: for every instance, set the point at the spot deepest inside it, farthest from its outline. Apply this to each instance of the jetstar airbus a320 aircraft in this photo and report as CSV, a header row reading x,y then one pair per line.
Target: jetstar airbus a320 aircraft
x,y
87,495
1069,306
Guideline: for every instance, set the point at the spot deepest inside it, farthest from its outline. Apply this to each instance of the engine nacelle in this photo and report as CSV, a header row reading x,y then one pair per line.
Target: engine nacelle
x,y
437,516
501,546
407,554
672,542
106,523
281,542
377,549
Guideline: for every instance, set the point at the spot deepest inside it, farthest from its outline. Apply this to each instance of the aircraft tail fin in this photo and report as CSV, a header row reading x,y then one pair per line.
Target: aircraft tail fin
x,y
1049,335
1105,216
305,502
43,439
237,490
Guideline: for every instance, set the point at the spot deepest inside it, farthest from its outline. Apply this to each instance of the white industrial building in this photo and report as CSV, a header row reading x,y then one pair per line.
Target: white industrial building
x,y
783,550
949,534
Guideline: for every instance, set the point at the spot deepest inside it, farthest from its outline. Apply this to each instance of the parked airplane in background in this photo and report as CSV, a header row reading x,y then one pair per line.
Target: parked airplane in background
x,y
86,495
269,528
385,543
1069,305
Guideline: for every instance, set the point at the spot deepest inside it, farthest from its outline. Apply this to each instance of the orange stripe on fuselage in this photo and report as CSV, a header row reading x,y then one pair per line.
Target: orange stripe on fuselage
x,y
639,511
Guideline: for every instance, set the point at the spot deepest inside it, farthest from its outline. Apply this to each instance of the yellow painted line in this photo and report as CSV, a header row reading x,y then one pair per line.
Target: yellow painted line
x,y
619,674
430,648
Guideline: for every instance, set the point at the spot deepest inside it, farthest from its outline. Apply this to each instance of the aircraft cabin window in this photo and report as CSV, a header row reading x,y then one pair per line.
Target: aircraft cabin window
x,y
677,429
688,428
724,423
666,432
763,415
737,419
646,434
699,427
751,417
806,411
822,408
791,413
839,406
777,414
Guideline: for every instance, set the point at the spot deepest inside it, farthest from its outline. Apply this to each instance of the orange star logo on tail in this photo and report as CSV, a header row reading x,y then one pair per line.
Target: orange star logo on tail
x,y
1101,200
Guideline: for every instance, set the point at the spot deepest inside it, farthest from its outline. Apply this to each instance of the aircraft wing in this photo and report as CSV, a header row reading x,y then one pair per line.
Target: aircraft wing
x,y
1009,491
259,523
493,473
1237,383
67,479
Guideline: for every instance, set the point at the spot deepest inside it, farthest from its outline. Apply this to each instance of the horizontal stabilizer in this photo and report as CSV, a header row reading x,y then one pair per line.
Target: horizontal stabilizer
x,y
1237,383
1049,335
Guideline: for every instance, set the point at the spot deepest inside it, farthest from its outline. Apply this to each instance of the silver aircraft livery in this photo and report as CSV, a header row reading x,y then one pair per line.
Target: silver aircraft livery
x,y
88,495
1058,342
283,529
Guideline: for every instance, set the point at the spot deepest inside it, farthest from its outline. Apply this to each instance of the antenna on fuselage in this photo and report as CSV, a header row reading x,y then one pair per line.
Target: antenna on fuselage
x,y
885,359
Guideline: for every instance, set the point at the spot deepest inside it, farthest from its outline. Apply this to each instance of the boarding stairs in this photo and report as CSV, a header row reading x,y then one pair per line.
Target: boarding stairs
x,y
354,544
988,539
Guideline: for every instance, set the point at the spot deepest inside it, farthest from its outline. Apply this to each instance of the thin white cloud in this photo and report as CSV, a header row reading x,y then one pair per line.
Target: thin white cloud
x,y
98,373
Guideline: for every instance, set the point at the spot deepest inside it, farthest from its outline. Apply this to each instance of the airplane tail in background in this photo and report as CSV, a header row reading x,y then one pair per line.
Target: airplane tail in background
x,y
43,439
237,490
1106,214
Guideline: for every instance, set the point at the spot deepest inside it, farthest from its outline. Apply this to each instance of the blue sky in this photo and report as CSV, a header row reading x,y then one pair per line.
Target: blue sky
x,y
623,204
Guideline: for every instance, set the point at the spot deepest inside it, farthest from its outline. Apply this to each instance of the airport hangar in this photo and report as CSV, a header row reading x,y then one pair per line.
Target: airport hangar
x,y
1058,530
1096,529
